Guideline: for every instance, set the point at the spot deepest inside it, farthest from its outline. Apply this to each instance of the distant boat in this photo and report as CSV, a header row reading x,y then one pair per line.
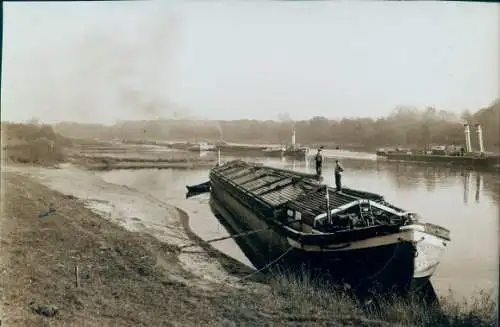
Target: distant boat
x,y
181,145
290,152
202,146
382,152
297,153
354,236
294,150
273,151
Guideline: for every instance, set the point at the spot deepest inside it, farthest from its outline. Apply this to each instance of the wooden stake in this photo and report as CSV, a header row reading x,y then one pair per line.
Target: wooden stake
x,y
77,278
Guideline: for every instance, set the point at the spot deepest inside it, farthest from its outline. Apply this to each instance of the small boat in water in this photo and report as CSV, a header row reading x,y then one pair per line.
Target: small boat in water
x,y
273,152
353,236
199,188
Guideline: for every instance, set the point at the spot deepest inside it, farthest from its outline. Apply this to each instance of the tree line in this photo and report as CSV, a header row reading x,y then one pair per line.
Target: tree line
x,y
404,126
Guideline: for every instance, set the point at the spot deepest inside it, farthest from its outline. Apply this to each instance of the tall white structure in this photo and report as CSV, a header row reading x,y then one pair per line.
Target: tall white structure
x,y
468,146
479,132
293,138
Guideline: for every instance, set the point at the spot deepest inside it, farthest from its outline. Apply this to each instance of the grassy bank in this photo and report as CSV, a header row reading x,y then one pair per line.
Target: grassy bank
x,y
27,143
131,279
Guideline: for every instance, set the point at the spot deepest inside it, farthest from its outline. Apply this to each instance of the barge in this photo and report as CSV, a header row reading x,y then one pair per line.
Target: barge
x,y
352,236
467,157
290,152
296,153
468,161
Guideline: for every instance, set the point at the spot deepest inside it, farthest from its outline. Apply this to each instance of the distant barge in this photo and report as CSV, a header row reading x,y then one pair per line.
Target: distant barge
x,y
353,236
465,158
292,151
486,162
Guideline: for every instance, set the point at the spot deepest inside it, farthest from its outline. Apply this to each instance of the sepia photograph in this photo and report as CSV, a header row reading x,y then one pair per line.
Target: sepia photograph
x,y
271,163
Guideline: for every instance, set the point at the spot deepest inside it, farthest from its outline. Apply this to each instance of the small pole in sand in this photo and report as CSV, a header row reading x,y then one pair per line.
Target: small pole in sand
x,y
77,279
218,157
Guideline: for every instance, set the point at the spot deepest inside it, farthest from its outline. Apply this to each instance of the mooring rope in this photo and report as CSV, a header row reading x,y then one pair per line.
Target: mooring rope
x,y
269,264
266,266
223,238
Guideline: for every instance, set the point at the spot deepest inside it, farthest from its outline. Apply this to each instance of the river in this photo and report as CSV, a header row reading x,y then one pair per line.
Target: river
x,y
465,202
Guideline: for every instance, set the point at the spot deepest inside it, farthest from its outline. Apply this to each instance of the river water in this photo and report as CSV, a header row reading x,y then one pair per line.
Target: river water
x,y
465,202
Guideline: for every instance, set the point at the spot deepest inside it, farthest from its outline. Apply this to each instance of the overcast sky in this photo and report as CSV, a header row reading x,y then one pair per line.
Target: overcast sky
x,y
104,61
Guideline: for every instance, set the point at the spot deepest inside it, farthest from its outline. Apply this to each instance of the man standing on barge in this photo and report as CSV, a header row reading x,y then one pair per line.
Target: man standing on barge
x,y
319,162
338,175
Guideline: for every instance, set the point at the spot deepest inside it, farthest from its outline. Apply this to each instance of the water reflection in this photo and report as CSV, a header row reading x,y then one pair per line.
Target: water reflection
x,y
411,176
467,175
466,187
478,186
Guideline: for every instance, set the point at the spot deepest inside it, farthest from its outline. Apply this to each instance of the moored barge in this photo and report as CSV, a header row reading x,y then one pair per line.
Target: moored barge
x,y
354,236
466,157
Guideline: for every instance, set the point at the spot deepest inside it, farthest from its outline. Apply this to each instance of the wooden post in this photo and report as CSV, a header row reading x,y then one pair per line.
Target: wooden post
x,y
328,213
77,278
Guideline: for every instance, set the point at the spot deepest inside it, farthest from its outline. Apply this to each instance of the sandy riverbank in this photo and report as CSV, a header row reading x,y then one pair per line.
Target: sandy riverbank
x,y
127,278
130,209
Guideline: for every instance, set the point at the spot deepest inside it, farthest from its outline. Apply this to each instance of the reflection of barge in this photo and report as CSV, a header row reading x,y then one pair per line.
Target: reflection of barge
x,y
466,157
354,236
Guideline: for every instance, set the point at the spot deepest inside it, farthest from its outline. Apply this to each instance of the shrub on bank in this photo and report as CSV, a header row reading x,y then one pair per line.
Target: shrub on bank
x,y
29,143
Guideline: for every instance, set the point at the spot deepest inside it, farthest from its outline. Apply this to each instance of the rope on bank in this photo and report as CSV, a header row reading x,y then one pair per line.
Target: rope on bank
x,y
270,263
266,266
223,238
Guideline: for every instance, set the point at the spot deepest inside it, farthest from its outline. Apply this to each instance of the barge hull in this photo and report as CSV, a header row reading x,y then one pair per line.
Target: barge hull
x,y
474,162
381,269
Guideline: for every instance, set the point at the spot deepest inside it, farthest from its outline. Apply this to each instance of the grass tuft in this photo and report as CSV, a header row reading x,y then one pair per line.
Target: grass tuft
x,y
301,296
